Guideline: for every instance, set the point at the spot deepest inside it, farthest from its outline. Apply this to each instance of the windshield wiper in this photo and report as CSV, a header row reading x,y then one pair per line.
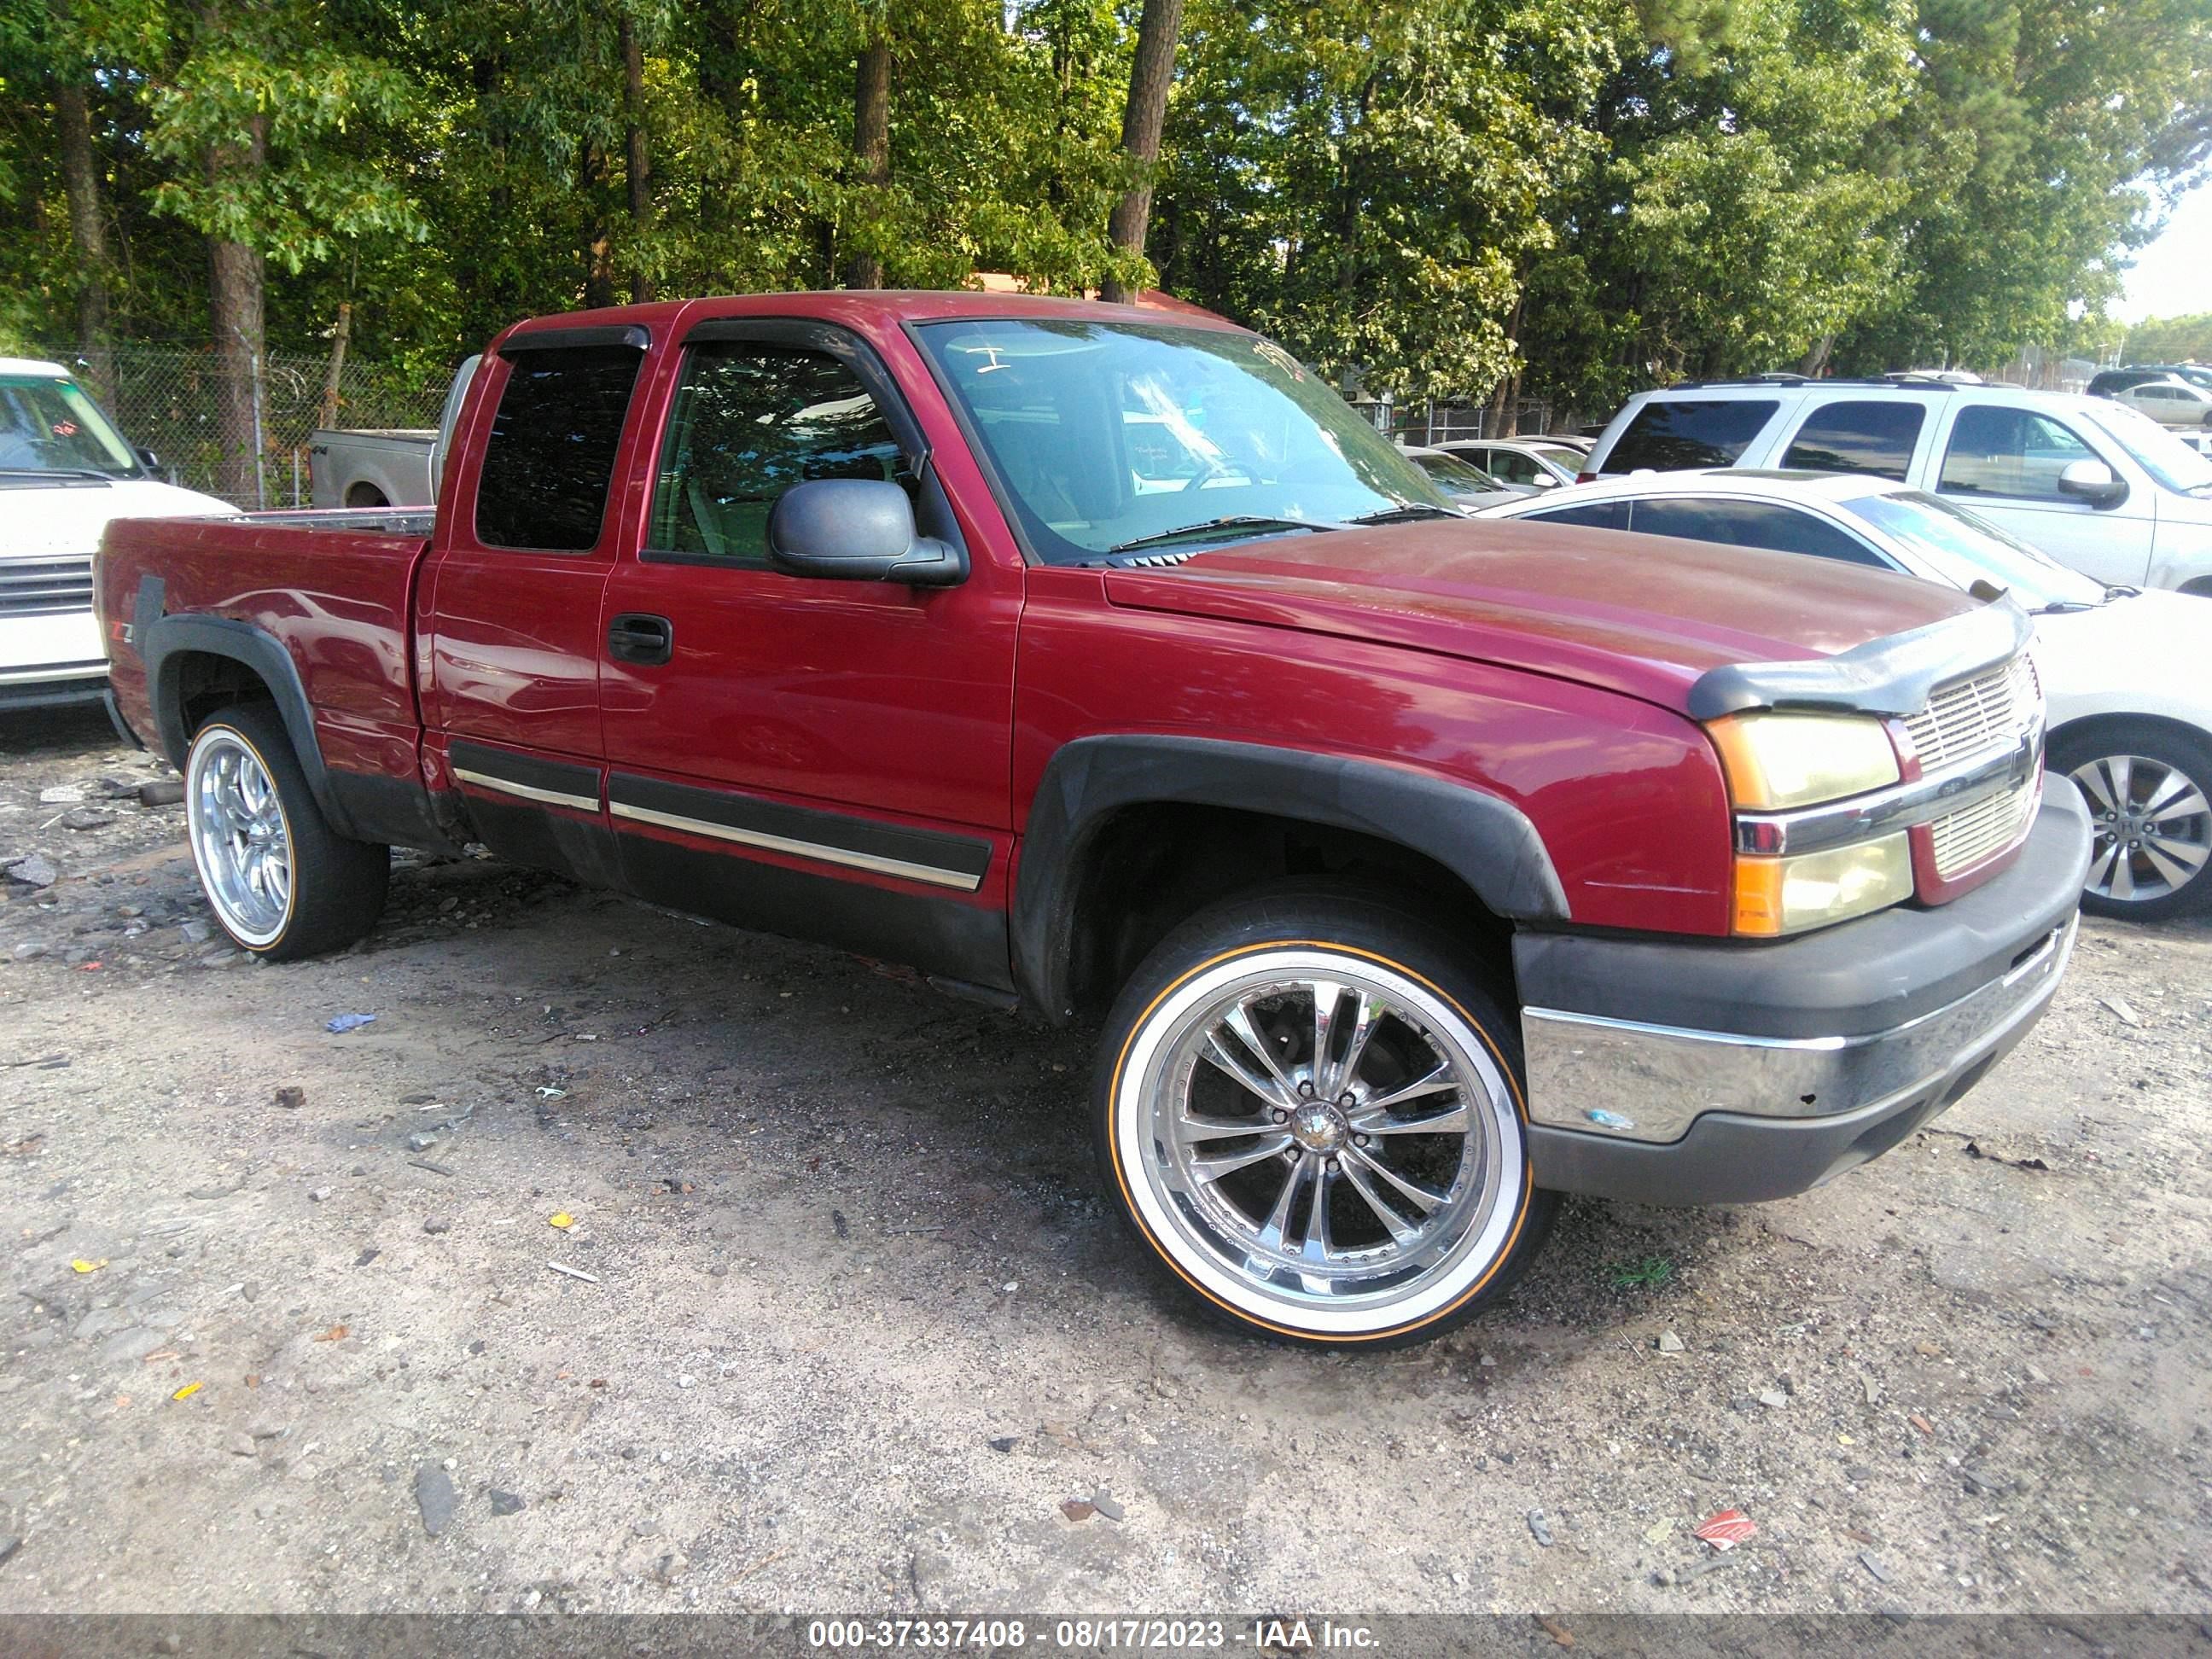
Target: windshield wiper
x,y
1407,515
55,472
2120,591
1233,522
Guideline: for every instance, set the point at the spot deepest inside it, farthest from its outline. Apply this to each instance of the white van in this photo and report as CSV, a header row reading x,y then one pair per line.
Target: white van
x,y
2090,482
64,473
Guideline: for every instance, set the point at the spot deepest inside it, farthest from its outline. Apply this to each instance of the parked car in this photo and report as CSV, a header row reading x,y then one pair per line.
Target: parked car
x,y
2092,483
2169,403
1415,869
1464,485
365,466
2111,382
383,467
2123,670
1532,463
64,473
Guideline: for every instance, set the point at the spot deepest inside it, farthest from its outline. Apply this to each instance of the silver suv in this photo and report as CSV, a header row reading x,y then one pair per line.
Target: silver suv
x,y
2092,483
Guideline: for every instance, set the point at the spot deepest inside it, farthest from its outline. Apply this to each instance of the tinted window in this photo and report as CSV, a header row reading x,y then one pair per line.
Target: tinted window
x,y
2009,452
551,454
1751,524
1594,515
1876,438
1674,437
751,420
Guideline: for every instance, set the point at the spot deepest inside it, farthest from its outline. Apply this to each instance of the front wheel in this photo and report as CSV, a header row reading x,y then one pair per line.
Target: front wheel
x,y
2149,793
282,882
1313,1114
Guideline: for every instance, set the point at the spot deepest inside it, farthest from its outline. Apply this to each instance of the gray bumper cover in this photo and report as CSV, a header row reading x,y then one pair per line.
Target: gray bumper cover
x,y
1833,1048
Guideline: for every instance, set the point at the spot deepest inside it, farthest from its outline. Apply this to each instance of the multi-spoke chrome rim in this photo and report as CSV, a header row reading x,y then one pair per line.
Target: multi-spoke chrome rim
x,y
239,838
1325,1139
2153,827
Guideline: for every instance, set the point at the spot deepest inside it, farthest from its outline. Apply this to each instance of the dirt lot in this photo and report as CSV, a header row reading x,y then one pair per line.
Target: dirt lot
x,y
857,1325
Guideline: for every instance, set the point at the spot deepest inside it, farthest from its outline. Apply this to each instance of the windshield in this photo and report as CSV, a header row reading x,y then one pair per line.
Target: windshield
x,y
2152,448
1106,433
47,425
1966,548
1457,477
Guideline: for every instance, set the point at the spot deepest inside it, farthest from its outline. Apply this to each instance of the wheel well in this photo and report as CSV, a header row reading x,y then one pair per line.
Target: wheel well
x,y
2099,726
207,683
1148,866
2202,587
364,494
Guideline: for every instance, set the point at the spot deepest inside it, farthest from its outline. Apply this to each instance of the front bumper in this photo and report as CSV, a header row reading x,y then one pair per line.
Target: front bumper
x,y
51,657
1712,1072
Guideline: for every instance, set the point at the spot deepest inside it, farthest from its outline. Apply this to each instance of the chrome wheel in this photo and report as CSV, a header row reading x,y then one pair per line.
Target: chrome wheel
x,y
241,839
2153,824
1320,1139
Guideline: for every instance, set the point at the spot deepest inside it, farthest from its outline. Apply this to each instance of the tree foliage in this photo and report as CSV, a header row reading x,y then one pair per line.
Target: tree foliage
x,y
1425,197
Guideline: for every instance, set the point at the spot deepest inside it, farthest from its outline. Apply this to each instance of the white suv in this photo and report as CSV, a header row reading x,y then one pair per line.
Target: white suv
x,y
64,473
2090,482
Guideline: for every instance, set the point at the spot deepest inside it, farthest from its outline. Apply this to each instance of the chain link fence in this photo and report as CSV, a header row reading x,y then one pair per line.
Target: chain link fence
x,y
166,399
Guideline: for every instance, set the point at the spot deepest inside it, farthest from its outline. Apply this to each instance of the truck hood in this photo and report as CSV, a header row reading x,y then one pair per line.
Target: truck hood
x,y
1644,615
52,521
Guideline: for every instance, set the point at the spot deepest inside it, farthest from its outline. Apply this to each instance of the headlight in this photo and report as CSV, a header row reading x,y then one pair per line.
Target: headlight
x,y
1775,897
1779,760
1776,762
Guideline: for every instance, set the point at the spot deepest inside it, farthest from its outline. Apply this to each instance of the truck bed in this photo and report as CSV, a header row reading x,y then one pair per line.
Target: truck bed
x,y
334,590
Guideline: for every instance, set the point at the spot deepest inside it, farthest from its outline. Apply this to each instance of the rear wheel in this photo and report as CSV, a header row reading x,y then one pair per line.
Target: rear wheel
x,y
1312,1113
2149,793
282,882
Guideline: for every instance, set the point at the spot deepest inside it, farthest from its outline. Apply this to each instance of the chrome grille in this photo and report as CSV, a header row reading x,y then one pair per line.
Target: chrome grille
x,y
1966,837
1972,715
39,587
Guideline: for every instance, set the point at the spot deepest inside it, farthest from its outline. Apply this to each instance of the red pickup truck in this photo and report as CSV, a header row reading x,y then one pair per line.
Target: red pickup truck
x,y
1101,660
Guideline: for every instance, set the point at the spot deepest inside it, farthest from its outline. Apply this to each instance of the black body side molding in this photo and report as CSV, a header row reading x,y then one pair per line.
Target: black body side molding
x,y
1485,842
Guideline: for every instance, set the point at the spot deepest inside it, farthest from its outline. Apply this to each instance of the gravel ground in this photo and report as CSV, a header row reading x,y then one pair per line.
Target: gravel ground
x,y
849,1329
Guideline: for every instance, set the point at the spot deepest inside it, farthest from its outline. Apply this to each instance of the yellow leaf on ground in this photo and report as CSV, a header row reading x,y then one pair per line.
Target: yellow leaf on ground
x,y
186,1392
563,1220
83,1266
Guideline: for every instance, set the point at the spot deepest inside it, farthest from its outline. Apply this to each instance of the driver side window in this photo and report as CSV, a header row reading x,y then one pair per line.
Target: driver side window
x,y
2014,453
749,421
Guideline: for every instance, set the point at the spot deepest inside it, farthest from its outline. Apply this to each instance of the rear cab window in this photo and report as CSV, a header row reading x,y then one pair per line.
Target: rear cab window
x,y
1876,438
1682,434
549,461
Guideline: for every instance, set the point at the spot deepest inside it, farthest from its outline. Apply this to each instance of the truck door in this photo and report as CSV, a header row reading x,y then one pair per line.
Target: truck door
x,y
511,603
819,757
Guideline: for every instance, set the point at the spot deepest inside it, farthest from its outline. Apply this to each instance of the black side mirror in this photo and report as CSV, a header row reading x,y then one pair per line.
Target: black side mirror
x,y
857,530
148,459
2093,481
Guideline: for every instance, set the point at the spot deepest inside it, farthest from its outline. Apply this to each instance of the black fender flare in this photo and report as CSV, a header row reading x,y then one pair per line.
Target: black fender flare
x,y
1487,842
164,642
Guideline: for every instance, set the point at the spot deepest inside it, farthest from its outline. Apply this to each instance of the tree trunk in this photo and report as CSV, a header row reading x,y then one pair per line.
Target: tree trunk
x,y
598,246
1816,358
235,297
1142,119
871,141
87,233
722,57
637,165
336,373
